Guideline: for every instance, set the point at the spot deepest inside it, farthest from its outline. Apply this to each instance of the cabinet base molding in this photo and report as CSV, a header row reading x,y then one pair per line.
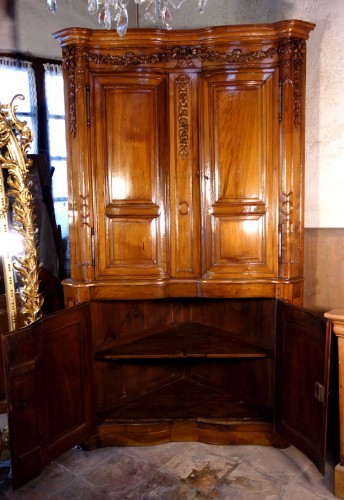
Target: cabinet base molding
x,y
210,430
339,481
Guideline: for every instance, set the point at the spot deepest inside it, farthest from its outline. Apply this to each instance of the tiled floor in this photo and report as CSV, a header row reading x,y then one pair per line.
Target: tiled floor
x,y
177,471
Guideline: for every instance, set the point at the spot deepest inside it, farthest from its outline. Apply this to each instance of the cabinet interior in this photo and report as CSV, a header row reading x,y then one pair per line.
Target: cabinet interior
x,y
183,358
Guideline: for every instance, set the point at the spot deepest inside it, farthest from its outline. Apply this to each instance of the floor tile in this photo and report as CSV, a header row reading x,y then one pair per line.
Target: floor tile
x,y
312,480
164,487
158,454
285,464
77,489
117,475
199,467
299,492
244,482
177,471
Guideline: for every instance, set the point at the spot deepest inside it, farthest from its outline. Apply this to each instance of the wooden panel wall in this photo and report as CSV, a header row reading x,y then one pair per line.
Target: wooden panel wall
x,y
324,269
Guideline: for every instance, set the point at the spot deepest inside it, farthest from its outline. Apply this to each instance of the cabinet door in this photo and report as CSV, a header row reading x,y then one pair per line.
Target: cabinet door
x,y
239,173
48,370
302,380
130,158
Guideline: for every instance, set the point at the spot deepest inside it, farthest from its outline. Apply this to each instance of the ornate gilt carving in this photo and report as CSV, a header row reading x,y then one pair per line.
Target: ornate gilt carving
x,y
6,256
292,55
183,83
15,137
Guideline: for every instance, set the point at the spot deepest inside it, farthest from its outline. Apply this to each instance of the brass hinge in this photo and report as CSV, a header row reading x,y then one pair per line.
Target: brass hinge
x,y
92,247
88,110
280,91
319,392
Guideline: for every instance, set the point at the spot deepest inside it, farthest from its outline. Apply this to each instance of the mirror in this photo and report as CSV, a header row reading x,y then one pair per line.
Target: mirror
x,y
18,234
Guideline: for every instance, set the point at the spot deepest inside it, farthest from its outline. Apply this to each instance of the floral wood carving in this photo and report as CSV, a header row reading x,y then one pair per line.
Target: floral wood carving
x,y
189,55
292,55
183,83
68,64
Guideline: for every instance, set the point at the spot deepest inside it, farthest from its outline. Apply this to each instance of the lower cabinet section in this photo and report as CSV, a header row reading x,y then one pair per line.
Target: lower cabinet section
x,y
141,372
184,369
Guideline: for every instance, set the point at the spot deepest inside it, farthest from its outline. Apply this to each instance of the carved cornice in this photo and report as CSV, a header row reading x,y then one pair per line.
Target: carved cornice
x,y
191,56
183,83
292,56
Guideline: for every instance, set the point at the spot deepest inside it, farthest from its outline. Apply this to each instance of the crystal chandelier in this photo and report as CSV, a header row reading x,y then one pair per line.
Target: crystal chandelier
x,y
114,12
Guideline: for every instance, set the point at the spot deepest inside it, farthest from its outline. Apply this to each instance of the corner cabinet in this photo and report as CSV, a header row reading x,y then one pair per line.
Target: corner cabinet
x,y
186,162
186,178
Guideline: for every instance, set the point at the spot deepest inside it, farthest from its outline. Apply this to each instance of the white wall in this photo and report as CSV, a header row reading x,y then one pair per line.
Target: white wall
x,y
32,27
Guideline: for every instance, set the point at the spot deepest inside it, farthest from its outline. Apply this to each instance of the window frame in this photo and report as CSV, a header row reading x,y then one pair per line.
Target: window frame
x,y
42,112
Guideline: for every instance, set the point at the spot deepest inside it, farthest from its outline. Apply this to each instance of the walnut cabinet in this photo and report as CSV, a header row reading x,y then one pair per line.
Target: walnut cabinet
x,y
186,162
183,317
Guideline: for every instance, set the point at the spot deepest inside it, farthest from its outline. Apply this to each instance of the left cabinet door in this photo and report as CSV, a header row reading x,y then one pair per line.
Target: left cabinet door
x,y
129,132
48,370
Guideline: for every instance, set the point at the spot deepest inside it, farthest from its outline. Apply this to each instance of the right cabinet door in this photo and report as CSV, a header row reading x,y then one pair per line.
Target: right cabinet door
x,y
239,172
302,380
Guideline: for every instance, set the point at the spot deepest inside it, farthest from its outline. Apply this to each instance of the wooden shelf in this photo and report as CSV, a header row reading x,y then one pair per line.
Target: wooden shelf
x,y
185,340
184,399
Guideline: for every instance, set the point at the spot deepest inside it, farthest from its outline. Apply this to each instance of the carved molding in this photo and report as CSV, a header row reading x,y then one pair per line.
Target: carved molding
x,y
292,56
183,83
291,53
188,55
85,210
68,64
286,225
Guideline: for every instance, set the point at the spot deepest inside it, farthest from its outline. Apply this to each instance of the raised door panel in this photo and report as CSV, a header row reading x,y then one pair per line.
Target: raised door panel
x,y
49,388
239,173
302,380
129,170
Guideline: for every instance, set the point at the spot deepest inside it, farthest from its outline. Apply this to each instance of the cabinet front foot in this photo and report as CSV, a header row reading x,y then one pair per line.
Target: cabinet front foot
x,y
212,431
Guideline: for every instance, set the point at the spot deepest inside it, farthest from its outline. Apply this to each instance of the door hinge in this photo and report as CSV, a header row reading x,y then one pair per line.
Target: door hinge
x,y
280,91
92,247
319,392
88,110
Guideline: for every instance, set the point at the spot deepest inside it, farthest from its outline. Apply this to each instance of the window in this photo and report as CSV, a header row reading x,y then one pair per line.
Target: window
x,y
57,143
41,83
17,77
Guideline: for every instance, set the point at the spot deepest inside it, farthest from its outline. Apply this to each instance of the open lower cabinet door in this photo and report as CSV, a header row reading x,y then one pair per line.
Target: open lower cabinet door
x,y
48,370
302,380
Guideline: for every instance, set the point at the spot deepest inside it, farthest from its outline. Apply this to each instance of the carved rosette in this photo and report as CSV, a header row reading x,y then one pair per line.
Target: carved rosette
x,y
15,138
292,55
183,83
178,56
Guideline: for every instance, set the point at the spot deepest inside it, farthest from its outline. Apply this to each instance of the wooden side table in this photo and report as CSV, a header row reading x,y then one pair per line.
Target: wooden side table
x,y
337,318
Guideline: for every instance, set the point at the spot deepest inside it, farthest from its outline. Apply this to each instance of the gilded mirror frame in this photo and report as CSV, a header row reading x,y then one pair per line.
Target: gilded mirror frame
x,y
15,139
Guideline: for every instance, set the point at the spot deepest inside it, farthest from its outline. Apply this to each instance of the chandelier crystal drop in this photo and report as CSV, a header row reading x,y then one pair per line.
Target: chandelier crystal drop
x,y
114,13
